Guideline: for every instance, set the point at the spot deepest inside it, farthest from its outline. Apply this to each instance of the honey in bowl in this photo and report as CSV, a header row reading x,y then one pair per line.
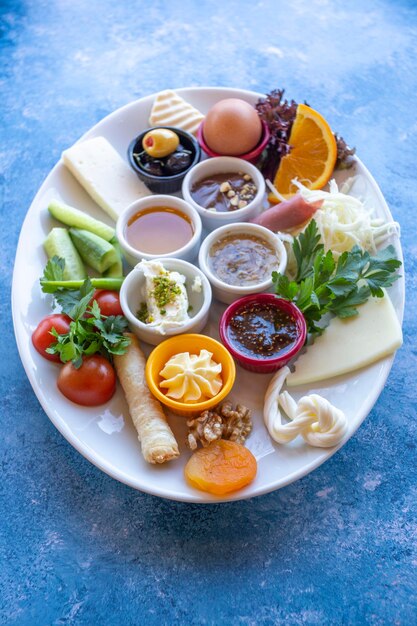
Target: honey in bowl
x,y
159,230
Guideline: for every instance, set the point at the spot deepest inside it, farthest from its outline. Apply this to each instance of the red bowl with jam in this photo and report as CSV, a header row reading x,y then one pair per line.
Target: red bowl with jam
x,y
252,156
263,332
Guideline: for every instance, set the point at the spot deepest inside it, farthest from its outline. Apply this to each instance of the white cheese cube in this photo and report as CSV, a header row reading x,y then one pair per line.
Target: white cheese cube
x,y
105,176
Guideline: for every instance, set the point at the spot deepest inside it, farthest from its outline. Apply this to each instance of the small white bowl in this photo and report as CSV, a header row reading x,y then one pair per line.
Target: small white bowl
x,y
229,293
224,165
131,297
187,252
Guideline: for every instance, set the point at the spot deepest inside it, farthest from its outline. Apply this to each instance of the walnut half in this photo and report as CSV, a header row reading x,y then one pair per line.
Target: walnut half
x,y
223,422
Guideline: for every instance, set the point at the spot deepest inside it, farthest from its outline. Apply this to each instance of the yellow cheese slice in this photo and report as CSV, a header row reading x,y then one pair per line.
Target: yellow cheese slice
x,y
169,109
349,344
105,176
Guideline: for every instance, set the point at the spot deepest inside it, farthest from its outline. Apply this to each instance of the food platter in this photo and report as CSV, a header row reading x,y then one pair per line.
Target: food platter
x,y
105,435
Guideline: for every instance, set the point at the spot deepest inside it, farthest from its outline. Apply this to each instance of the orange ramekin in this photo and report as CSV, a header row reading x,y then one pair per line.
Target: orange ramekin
x,y
191,343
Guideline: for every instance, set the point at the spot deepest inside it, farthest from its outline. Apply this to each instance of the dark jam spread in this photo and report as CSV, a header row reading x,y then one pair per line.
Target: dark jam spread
x,y
224,192
262,331
242,259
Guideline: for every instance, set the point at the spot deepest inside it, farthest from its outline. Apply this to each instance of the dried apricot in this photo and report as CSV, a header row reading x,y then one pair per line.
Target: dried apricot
x,y
221,467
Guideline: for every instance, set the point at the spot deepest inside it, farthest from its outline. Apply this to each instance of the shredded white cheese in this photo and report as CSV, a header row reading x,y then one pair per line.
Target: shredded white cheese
x,y
344,221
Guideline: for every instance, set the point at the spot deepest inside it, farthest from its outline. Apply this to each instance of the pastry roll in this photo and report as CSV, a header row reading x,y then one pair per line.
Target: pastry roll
x,y
157,439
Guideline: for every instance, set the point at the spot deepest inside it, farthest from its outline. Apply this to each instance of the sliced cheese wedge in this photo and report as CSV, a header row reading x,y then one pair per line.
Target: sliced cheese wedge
x,y
349,344
105,176
169,109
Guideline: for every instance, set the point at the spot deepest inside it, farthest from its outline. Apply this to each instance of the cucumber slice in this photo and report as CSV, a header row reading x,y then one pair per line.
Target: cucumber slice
x,y
78,219
59,243
95,251
116,269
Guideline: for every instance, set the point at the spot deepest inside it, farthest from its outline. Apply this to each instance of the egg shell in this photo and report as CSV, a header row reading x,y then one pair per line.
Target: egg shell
x,y
232,127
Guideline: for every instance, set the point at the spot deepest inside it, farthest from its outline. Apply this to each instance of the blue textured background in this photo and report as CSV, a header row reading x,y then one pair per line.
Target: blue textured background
x,y
339,546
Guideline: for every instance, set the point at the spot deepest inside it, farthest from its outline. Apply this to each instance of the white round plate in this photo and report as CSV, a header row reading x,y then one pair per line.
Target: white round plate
x,y
105,435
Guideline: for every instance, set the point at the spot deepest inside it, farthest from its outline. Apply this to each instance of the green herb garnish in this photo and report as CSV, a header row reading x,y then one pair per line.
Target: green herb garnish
x,y
323,285
90,331
54,271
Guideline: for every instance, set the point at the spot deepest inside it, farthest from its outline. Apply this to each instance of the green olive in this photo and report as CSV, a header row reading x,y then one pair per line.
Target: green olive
x,y
160,142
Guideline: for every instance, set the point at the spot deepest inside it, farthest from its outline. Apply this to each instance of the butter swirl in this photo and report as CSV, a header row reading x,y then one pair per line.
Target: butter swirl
x,y
313,417
191,377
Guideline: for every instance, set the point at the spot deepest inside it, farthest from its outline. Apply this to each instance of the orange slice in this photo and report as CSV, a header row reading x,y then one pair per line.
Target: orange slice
x,y
312,157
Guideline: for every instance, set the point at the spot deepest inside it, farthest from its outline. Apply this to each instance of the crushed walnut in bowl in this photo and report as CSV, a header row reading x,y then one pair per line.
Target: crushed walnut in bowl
x,y
227,191
224,190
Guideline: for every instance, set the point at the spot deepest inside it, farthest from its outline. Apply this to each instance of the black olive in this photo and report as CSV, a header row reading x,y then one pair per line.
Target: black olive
x,y
177,162
153,167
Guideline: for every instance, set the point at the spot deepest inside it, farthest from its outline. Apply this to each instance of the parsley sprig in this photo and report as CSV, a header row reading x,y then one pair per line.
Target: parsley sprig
x,y
323,285
90,332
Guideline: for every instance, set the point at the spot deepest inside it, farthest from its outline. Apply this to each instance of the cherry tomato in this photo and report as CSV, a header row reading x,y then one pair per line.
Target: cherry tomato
x,y
92,384
42,338
108,301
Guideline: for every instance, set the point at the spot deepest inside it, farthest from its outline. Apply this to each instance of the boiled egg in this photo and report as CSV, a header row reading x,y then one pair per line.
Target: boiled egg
x,y
232,127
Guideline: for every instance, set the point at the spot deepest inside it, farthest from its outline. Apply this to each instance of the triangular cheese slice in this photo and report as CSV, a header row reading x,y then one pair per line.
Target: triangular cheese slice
x,y
349,344
169,109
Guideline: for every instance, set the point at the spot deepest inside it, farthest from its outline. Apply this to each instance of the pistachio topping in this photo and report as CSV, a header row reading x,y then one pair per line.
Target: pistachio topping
x,y
165,290
143,313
